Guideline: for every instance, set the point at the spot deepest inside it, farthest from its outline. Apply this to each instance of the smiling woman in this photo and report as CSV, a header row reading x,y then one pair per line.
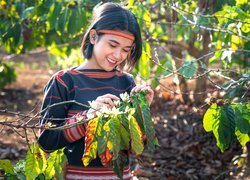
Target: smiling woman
x,y
112,45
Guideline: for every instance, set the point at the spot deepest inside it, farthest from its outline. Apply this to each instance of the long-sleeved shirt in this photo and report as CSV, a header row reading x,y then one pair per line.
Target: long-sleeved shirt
x,y
81,86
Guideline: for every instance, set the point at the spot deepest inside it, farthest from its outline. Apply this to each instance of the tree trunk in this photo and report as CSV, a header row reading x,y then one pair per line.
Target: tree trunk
x,y
176,53
201,83
182,87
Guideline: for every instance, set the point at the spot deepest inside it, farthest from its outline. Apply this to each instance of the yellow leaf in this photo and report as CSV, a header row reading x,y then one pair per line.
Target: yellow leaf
x,y
235,42
239,2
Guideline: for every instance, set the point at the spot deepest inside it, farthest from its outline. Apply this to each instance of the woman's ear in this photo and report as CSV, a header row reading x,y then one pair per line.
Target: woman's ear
x,y
92,36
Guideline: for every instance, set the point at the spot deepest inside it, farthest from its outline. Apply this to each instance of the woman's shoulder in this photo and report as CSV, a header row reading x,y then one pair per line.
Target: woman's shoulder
x,y
62,77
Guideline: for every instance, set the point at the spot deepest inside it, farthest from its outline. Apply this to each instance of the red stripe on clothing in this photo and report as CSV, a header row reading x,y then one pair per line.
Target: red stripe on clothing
x,y
97,74
101,88
52,97
59,79
98,173
76,132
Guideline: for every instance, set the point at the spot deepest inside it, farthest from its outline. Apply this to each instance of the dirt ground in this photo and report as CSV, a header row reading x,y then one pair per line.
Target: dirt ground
x,y
185,151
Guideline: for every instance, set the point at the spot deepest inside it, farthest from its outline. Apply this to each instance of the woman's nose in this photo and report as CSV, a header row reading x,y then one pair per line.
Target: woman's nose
x,y
118,54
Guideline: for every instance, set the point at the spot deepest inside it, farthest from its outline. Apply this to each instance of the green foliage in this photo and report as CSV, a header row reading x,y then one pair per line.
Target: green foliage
x,y
37,165
113,131
7,74
188,69
7,166
228,121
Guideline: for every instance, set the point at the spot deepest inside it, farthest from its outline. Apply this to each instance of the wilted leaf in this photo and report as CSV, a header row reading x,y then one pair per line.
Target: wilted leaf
x,y
90,142
136,136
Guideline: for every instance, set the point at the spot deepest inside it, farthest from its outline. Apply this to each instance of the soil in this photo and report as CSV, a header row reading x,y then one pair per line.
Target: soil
x,y
186,151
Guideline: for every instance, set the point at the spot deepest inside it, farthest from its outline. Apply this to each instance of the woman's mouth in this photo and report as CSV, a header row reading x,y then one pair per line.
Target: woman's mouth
x,y
112,62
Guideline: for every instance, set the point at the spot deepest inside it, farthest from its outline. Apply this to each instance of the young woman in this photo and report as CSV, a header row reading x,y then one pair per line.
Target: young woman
x,y
112,45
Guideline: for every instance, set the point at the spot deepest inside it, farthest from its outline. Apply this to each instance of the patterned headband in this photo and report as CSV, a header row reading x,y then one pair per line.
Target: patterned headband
x,y
118,33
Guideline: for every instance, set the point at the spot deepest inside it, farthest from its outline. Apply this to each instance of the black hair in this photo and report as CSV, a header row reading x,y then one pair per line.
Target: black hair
x,y
113,16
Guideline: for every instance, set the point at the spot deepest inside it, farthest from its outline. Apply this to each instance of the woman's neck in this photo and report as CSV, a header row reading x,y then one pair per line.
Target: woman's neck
x,y
87,64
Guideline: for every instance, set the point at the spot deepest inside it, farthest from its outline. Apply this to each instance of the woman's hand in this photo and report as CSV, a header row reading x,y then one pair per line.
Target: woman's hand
x,y
148,89
102,101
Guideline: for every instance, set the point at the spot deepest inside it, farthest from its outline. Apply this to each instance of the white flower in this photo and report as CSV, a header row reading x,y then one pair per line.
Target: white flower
x,y
124,96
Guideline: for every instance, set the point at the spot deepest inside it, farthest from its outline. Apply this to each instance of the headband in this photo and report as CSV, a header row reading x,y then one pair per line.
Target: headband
x,y
118,33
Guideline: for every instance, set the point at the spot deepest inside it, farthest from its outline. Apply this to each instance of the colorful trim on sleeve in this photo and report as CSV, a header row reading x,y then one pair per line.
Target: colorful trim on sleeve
x,y
77,132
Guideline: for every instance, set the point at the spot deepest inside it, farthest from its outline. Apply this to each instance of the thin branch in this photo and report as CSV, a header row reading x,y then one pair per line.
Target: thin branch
x,y
209,28
209,16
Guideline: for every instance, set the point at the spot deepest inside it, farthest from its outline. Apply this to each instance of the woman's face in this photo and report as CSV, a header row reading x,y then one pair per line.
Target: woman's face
x,y
109,51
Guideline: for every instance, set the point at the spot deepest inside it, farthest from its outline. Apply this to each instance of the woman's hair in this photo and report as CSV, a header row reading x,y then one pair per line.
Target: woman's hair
x,y
112,16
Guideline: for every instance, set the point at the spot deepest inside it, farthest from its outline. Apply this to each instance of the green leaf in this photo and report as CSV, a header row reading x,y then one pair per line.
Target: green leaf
x,y
35,162
210,117
125,138
60,162
242,138
53,15
62,21
17,33
50,169
119,164
138,113
148,123
7,166
242,124
188,69
224,127
242,118
114,136
72,25
136,136
28,13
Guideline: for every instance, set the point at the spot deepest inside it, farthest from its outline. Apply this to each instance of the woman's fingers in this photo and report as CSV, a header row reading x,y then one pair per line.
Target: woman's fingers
x,y
107,99
148,89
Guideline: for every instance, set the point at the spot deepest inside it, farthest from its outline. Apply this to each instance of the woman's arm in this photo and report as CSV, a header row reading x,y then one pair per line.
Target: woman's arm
x,y
56,91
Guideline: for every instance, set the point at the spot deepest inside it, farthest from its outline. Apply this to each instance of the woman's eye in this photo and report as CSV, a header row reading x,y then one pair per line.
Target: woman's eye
x,y
126,50
113,46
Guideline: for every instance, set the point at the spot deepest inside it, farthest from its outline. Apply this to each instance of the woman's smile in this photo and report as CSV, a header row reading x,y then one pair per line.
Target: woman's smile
x,y
112,62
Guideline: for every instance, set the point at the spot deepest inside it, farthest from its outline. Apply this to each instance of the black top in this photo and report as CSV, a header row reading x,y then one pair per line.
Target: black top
x,y
81,86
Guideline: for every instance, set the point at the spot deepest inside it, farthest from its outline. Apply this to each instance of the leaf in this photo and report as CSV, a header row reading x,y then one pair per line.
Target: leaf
x,y
53,15
50,170
224,127
210,117
28,13
59,164
72,25
90,142
119,164
148,123
242,118
242,138
35,162
138,113
62,21
114,136
188,69
240,2
106,156
143,64
125,138
136,136
7,166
